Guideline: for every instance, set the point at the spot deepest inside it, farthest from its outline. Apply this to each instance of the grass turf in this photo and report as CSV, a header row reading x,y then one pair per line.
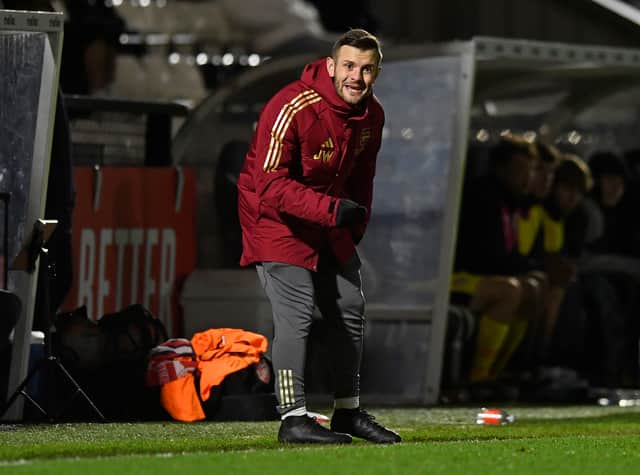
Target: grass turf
x,y
580,440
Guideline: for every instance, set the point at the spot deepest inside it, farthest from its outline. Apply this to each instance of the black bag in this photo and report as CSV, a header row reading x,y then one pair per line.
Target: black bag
x,y
246,395
109,359
127,335
130,334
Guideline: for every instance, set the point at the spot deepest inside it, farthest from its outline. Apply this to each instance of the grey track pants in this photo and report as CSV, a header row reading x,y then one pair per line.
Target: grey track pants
x,y
294,292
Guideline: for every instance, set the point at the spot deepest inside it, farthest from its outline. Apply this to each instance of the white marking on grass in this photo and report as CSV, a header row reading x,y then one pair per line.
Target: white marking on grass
x,y
13,463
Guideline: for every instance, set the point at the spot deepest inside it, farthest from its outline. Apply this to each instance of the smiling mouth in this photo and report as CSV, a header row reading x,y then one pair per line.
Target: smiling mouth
x,y
353,89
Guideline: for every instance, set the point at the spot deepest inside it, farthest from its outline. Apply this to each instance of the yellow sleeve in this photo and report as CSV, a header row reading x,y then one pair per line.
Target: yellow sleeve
x,y
553,234
528,228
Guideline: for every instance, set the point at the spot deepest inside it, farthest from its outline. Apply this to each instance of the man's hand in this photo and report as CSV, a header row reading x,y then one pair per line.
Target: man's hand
x,y
350,213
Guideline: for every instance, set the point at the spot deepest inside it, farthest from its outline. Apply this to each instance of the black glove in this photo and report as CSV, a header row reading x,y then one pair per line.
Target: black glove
x,y
350,213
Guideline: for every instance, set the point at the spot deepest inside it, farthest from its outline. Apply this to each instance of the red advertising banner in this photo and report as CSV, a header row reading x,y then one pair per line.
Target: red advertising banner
x,y
134,240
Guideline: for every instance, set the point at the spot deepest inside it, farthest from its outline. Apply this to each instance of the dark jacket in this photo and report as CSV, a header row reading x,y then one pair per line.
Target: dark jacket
x,y
487,231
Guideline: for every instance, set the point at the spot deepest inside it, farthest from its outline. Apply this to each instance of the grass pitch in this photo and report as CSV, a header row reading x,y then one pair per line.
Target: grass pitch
x,y
565,440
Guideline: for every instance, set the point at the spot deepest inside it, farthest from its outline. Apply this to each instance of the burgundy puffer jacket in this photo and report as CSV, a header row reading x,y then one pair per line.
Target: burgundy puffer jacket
x,y
309,150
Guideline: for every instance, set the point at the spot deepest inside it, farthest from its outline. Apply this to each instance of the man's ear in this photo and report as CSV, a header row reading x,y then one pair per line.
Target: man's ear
x,y
331,66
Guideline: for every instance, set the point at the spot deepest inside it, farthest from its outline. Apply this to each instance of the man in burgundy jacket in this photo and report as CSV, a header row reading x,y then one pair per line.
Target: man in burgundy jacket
x,y
304,201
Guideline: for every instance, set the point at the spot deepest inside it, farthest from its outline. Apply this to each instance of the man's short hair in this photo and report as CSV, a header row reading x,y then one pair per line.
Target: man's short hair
x,y
607,163
508,146
358,38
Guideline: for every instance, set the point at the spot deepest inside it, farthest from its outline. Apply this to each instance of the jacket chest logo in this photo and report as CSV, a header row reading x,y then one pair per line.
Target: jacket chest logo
x,y
365,136
326,152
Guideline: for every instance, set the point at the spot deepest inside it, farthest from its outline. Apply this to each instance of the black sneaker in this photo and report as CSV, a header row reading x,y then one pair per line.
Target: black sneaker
x,y
305,430
359,423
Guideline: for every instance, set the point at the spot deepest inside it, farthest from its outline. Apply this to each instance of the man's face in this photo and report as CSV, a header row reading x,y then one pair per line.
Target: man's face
x,y
520,173
543,179
567,197
611,190
353,71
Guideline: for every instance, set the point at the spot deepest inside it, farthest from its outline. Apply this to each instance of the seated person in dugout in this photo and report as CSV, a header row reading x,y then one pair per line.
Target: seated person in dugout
x,y
551,245
610,275
532,214
490,275
615,207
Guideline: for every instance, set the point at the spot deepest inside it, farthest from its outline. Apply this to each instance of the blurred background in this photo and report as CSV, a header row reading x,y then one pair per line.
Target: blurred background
x,y
161,97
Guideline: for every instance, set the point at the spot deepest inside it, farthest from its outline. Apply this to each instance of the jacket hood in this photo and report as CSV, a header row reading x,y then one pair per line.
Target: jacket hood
x,y
316,76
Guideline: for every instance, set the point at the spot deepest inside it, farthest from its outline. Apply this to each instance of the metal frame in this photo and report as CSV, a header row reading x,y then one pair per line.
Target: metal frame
x,y
447,249
602,71
622,9
491,49
25,284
